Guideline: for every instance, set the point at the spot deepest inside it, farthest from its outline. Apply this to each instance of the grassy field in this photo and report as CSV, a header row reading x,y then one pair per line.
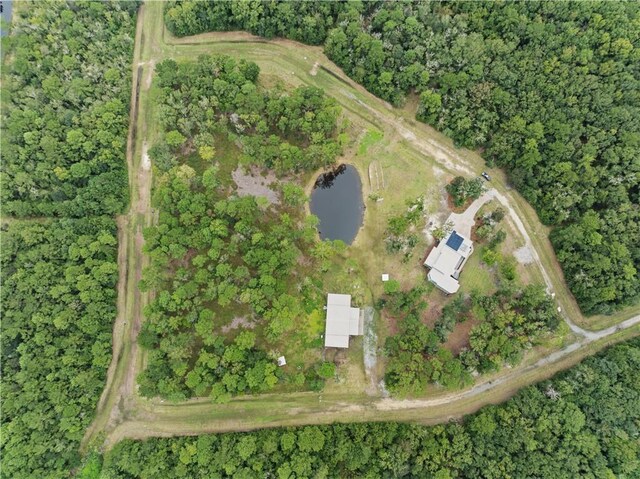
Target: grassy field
x,y
414,160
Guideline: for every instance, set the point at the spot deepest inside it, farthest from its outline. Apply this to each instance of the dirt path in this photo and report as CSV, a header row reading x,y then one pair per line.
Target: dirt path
x,y
589,335
121,373
370,346
123,414
463,223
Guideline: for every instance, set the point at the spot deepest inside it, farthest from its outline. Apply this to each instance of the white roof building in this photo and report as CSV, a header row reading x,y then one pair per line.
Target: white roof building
x,y
342,321
446,261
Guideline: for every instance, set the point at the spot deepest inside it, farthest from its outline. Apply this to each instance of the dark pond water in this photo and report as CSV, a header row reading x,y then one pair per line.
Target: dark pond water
x,y
5,15
337,201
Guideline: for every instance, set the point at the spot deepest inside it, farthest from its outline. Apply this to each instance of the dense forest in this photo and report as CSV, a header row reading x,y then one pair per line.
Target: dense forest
x,y
66,88
217,255
582,423
58,298
64,134
547,90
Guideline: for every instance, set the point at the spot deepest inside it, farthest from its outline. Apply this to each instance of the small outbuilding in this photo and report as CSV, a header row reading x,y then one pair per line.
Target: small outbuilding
x,y
282,361
342,321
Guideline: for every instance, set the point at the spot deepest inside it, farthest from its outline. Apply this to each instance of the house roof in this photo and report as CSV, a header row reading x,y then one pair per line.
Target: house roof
x,y
445,283
446,260
342,321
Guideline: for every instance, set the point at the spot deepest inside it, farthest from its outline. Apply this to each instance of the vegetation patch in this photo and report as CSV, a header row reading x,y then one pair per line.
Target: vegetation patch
x,y
59,302
215,255
66,87
64,134
569,426
463,191
402,230
506,324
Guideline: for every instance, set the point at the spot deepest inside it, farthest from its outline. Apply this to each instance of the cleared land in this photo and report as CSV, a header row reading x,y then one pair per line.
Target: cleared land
x,y
404,146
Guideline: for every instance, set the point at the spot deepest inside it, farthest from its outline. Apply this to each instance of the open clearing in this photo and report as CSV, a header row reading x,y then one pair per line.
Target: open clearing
x,y
404,145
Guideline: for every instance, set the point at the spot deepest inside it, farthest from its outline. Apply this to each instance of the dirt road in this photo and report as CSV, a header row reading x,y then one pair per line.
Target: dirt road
x,y
120,382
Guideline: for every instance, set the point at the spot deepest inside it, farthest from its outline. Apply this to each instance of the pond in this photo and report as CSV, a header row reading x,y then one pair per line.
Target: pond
x,y
5,14
337,202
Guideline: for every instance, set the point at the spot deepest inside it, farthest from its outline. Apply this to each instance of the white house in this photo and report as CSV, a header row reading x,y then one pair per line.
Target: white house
x,y
342,321
446,261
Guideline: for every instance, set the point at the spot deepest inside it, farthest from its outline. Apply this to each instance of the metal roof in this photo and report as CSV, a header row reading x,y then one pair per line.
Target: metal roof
x,y
342,321
446,260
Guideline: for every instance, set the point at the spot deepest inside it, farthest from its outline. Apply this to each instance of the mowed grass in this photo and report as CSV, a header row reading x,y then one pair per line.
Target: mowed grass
x,y
476,275
370,138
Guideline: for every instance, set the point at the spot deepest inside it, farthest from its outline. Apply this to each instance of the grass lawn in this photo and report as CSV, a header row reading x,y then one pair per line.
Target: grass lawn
x,y
476,276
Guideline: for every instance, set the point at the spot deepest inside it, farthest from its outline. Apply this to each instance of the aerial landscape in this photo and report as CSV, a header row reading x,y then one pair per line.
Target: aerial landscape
x,y
320,239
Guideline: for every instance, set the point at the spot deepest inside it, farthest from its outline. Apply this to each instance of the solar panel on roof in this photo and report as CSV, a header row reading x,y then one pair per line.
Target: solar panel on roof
x,y
454,241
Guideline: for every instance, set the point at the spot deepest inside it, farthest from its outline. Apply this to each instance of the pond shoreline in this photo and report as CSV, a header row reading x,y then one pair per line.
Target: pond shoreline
x,y
336,199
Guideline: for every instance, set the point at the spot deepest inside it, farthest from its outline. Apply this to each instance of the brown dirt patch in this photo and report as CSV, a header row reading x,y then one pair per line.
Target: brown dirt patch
x,y
433,312
459,337
237,322
252,183
392,324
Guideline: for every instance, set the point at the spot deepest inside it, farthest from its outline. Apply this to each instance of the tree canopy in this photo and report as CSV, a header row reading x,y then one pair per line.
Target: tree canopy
x,y
216,254
58,298
581,423
66,87
65,125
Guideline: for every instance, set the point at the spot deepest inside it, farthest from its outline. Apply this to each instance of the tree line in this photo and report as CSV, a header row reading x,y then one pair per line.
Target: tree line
x,y
547,90
581,423
66,87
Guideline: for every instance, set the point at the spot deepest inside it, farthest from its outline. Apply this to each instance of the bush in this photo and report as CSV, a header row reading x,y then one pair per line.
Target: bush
x,y
489,256
326,370
391,286
463,190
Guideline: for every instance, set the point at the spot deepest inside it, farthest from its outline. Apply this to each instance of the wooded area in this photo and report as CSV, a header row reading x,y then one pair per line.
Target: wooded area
x,y
66,88
547,90
507,323
215,255
68,83
58,298
582,423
